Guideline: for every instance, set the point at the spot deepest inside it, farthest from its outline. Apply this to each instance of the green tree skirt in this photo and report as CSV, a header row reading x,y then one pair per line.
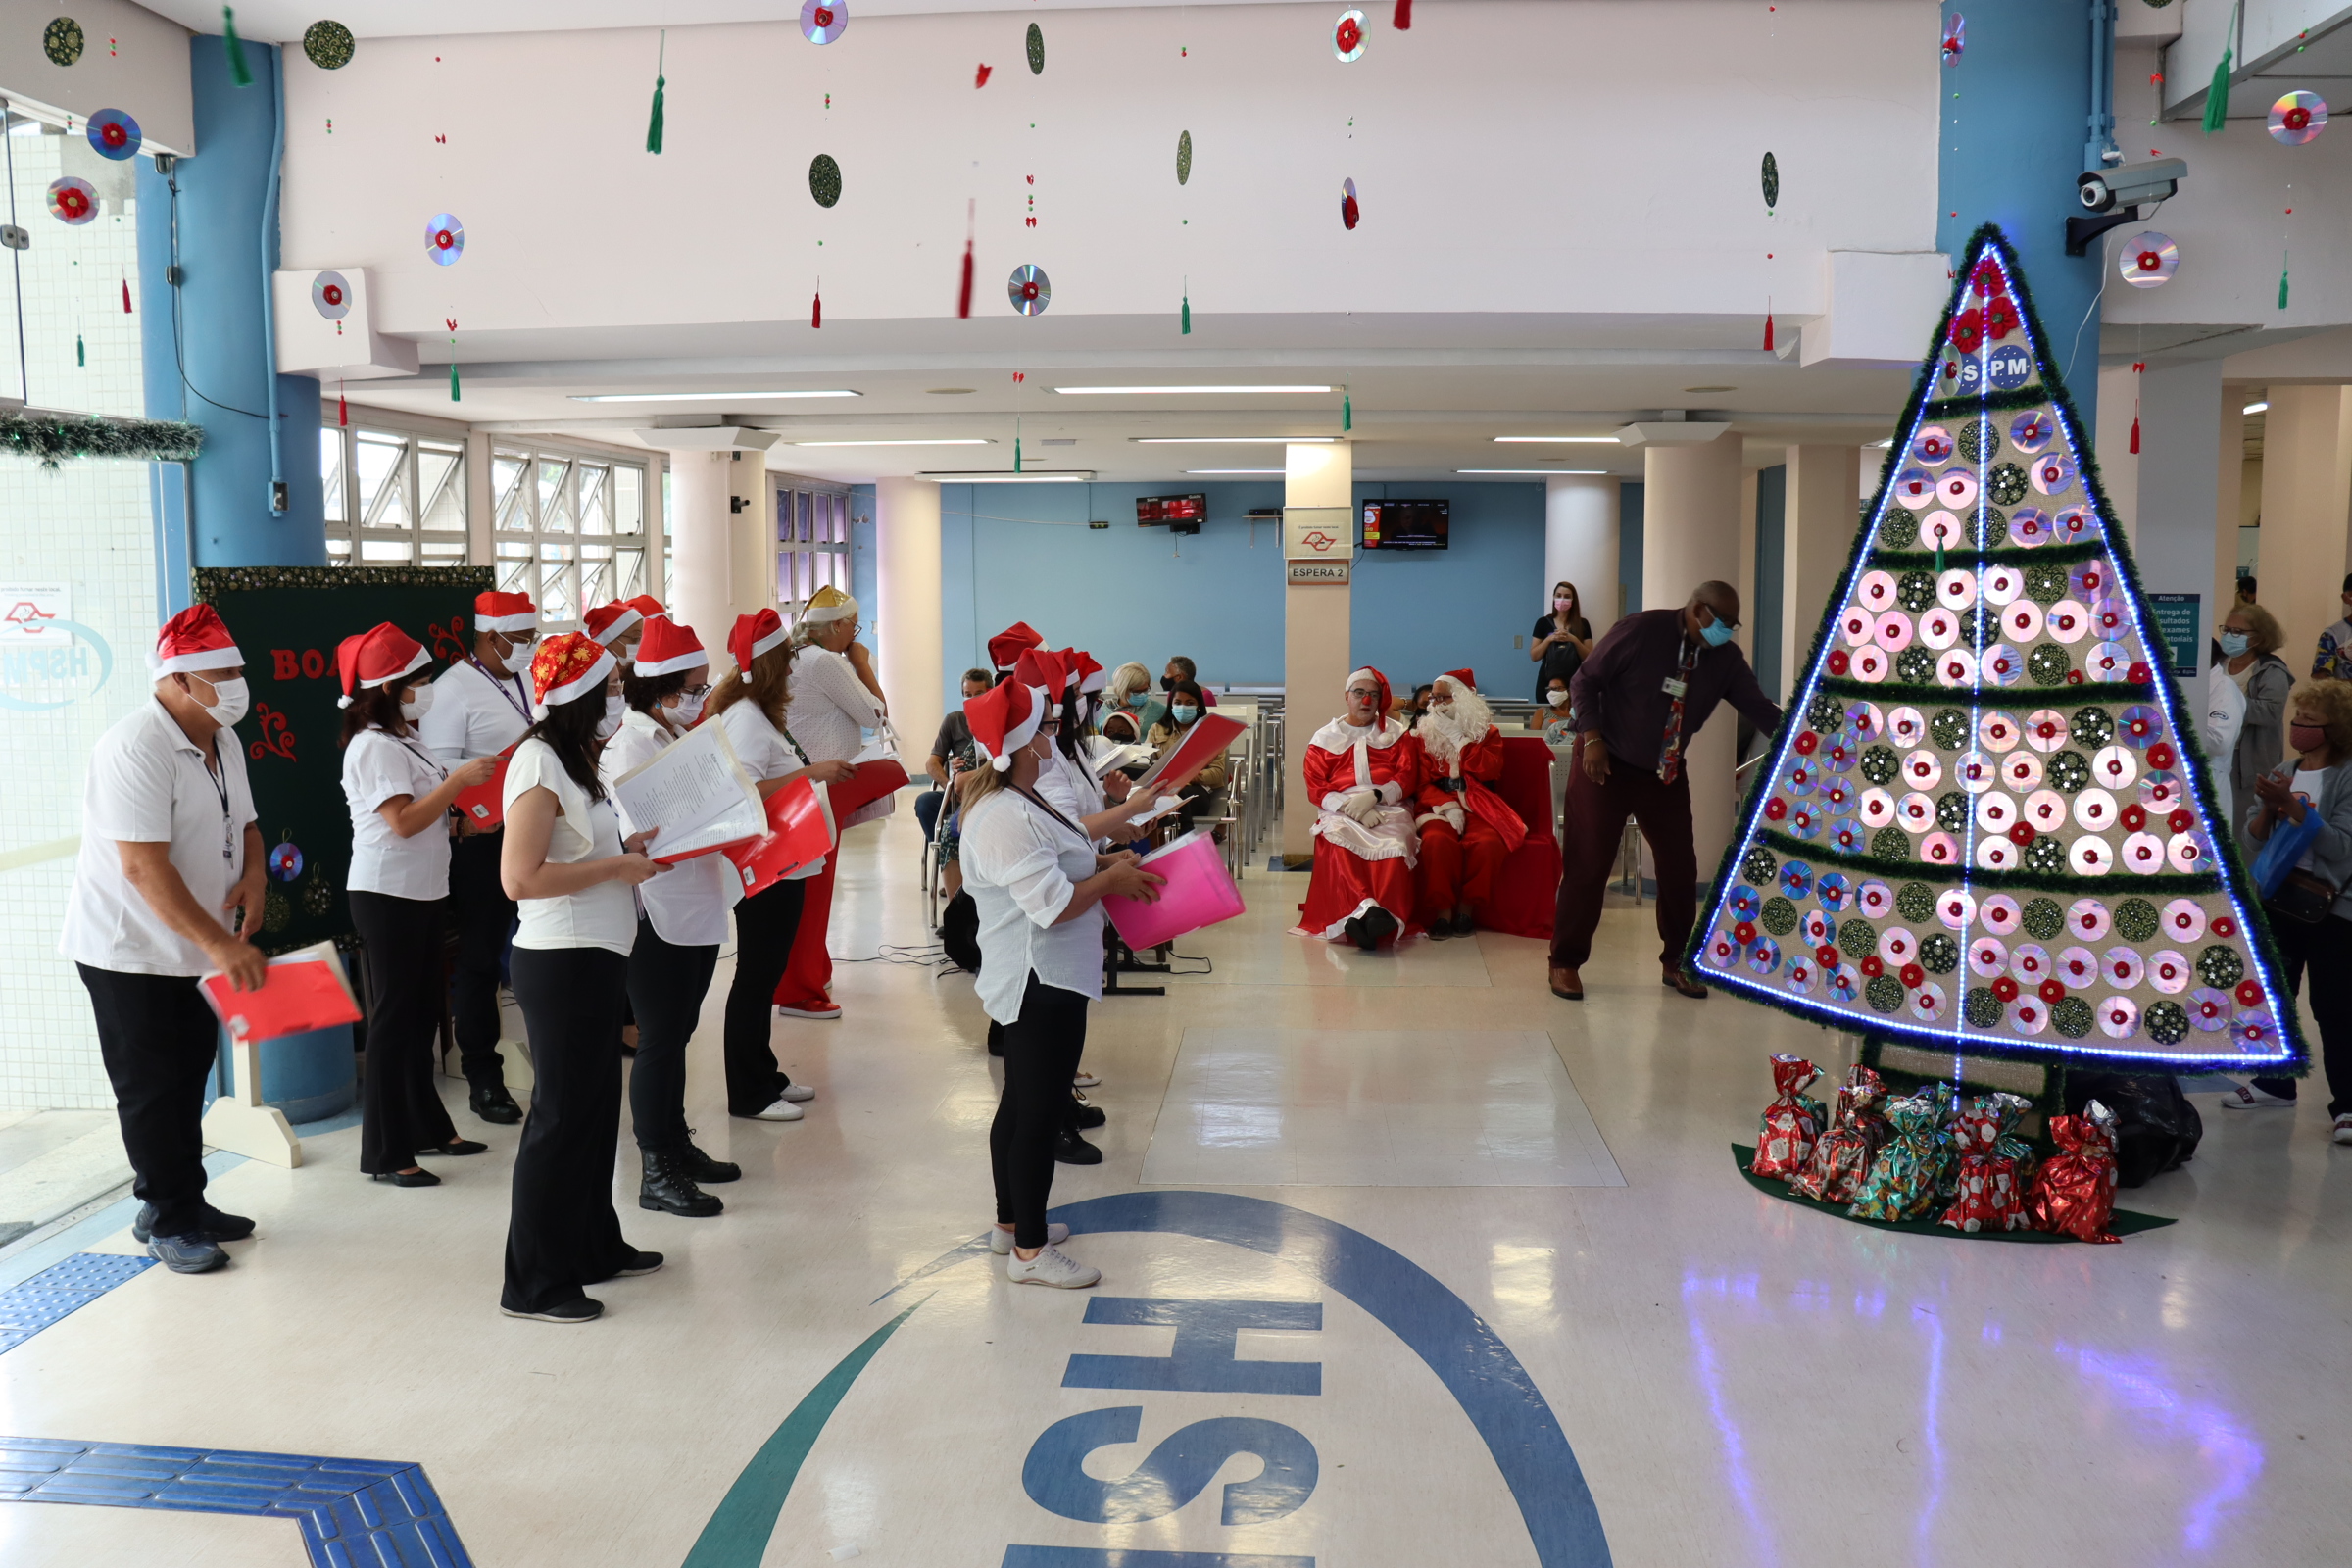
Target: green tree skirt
x,y
2125,1223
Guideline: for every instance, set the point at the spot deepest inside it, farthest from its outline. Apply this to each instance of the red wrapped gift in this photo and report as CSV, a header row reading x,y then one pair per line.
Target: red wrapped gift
x,y
2074,1192
1990,1192
1857,1132
1785,1132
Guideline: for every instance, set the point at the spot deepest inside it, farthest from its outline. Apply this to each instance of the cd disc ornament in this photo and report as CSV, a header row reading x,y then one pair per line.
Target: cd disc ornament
x,y
2298,117
72,201
1347,37
1029,289
823,21
2148,259
330,296
444,239
1772,184
824,180
328,45
62,41
113,135
1036,45
1184,156
1985,828
1350,210
1955,39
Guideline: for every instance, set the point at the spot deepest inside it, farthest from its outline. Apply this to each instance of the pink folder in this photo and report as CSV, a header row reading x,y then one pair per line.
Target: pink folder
x,y
1199,892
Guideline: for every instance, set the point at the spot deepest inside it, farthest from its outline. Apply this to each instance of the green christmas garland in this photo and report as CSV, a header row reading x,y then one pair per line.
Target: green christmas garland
x,y
55,437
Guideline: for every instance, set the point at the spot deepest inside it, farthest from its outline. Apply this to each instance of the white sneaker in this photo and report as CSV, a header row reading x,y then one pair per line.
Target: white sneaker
x,y
827,1013
799,1093
1000,1240
781,1110
1051,1266
2343,1129
1085,1080
2249,1097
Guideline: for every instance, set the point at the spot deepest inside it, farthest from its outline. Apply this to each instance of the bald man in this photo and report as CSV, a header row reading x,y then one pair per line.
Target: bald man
x,y
1648,687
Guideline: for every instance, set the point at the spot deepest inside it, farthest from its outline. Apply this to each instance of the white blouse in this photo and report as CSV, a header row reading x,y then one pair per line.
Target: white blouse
x,y
378,766
764,754
688,902
830,705
1022,867
602,916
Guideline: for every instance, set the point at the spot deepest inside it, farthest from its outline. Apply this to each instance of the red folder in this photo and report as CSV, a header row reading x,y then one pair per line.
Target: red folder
x,y
1202,745
800,817
485,804
867,782
303,991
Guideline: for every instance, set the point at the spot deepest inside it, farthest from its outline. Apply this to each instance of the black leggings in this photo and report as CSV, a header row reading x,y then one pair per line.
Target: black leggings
x,y
484,917
563,1233
2324,952
399,1107
1042,1047
666,983
765,926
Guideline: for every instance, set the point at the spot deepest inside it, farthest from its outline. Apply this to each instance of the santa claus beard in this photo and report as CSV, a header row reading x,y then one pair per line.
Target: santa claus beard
x,y
1465,721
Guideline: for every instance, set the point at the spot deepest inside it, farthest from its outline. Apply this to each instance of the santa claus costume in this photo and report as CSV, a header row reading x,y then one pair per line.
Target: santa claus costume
x,y
1360,777
1466,829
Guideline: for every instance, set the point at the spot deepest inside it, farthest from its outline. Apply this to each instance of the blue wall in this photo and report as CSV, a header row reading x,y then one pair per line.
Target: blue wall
x,y
865,580
1418,614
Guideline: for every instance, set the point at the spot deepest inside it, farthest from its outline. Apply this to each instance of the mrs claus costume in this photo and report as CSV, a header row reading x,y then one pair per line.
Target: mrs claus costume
x,y
1360,777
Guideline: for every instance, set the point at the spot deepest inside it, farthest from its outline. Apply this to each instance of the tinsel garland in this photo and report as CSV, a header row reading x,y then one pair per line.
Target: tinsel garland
x,y
54,437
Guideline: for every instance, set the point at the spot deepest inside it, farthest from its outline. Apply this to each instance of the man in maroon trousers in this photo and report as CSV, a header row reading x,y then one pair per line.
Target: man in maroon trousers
x,y
1639,697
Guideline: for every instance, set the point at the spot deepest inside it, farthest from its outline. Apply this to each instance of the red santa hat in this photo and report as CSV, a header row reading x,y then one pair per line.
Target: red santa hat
x,y
1377,679
646,604
1005,648
1043,669
1069,658
1462,679
568,665
383,652
609,624
1092,676
667,648
1004,720
193,640
503,612
752,636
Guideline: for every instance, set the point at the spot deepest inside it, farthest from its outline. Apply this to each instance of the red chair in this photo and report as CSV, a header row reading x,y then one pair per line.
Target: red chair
x,y
1527,888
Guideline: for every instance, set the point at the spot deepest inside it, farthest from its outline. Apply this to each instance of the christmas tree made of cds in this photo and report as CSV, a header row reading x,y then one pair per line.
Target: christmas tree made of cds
x,y
1986,826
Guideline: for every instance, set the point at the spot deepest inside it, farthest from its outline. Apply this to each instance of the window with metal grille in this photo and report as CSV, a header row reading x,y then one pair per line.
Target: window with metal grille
x,y
812,544
568,529
394,498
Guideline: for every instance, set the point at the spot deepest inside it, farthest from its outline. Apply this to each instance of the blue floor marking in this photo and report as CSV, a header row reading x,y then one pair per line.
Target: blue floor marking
x,y
60,1288
352,1513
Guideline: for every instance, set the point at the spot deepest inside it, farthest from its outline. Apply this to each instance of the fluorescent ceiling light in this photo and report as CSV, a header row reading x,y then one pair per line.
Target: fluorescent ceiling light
x,y
2255,407
1170,391
700,397
1236,470
1008,477
1596,440
947,441
1233,440
1544,471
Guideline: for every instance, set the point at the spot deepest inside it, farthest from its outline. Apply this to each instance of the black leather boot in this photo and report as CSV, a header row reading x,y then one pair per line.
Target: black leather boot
x,y
701,1167
492,1103
668,1186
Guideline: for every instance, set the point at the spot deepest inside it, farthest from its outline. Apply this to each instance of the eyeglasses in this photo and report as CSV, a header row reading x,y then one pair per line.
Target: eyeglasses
x,y
703,690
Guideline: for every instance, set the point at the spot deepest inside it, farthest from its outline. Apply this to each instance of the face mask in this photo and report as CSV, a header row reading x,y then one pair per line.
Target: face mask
x,y
419,706
2233,643
1168,683
2306,737
1715,633
610,724
689,709
1184,712
1558,697
229,699
1561,605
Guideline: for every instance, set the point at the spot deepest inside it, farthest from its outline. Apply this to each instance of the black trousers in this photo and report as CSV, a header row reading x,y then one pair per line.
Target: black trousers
x,y
2325,950
399,1107
484,917
666,984
1042,1047
765,926
158,1039
563,1233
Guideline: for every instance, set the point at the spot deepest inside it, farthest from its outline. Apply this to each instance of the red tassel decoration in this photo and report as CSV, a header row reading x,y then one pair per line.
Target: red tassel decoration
x,y
1404,16
342,409
817,311
963,300
127,296
2136,432
1768,331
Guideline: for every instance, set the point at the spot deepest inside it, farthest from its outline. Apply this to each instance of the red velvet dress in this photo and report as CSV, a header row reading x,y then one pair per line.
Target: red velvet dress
x,y
1360,865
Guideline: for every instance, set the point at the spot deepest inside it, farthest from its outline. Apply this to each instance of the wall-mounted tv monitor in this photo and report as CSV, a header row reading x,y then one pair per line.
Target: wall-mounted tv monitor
x,y
1406,524
1176,514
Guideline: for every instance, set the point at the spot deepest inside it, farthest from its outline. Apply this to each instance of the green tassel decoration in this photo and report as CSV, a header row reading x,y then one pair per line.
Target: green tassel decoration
x,y
1016,454
238,74
1187,316
2283,283
652,127
79,358
453,381
1346,414
2217,96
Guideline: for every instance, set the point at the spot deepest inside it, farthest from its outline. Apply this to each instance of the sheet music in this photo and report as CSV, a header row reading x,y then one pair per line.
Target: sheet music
x,y
694,792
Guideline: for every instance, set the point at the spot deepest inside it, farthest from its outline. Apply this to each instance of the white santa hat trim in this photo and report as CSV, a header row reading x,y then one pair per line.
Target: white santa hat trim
x,y
647,669
417,662
503,624
202,660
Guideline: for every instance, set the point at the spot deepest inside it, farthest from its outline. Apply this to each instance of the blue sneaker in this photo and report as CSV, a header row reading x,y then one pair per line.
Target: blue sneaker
x,y
186,1254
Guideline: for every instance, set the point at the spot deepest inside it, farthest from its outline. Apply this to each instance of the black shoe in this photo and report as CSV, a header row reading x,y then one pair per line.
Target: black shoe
x,y
996,1038
667,1188
493,1104
407,1178
1073,1149
455,1146
186,1254
1368,931
1088,1115
580,1309
216,1226
703,1169
638,1263
1441,930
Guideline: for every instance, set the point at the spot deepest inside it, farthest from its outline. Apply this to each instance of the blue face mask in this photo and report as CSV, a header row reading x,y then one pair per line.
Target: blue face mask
x,y
1184,712
2233,643
1716,633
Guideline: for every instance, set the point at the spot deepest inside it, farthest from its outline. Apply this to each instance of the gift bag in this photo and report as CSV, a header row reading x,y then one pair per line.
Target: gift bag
x,y
1988,1195
1901,1184
1785,1132
871,792
1843,1154
2074,1195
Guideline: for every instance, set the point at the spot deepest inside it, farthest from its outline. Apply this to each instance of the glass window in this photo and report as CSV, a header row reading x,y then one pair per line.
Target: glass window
x,y
393,497
811,545
556,515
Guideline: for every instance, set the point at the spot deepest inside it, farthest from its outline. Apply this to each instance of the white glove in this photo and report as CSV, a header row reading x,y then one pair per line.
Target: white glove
x,y
1363,806
1454,816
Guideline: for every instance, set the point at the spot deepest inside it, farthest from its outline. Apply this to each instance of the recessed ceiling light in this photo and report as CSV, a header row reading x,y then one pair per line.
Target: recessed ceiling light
x,y
1711,389
1562,440
948,391
1544,473
1170,391
2255,407
954,441
1233,440
1236,470
702,397
1008,477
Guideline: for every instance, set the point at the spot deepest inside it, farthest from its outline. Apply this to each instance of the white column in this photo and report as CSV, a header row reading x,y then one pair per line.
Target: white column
x,y
1580,543
1689,535
1822,518
751,534
2229,500
2180,486
1316,628
907,574
2306,484
700,575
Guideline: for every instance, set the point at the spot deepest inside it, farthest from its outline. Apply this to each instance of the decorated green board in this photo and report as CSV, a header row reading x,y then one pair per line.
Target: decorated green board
x,y
1986,825
287,621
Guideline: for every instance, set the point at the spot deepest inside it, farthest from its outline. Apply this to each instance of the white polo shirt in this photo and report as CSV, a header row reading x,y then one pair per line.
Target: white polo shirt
x,y
764,754
378,766
686,905
600,916
148,784
1021,868
475,714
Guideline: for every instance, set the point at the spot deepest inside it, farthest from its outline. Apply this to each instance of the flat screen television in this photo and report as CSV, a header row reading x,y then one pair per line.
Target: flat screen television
x,y
1176,514
1406,524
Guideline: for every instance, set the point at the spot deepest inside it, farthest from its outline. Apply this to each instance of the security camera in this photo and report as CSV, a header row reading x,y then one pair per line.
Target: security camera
x,y
2103,190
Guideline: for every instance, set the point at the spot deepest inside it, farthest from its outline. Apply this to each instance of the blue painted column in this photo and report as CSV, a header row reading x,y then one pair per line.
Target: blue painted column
x,y
2014,125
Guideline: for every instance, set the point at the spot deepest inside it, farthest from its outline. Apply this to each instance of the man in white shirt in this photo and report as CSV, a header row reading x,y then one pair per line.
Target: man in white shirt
x,y
168,888
834,698
481,706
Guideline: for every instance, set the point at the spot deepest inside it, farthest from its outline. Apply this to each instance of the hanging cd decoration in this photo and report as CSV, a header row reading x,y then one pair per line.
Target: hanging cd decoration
x,y
445,239
72,201
1348,37
2148,259
328,44
1029,289
1772,183
2298,117
823,21
286,861
62,41
824,180
1350,211
330,296
1037,50
114,134
1184,156
1955,39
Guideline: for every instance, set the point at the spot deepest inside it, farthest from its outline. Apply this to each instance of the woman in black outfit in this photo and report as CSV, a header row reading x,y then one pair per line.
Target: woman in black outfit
x,y
1561,640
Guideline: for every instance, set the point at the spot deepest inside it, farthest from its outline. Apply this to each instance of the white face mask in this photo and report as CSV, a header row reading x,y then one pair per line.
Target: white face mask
x,y
1558,698
688,708
419,706
229,700
610,725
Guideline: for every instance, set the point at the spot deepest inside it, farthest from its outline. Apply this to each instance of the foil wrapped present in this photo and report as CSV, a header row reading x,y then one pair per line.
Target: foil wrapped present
x,y
1843,1156
1787,1131
2073,1191
1901,1183
1989,1193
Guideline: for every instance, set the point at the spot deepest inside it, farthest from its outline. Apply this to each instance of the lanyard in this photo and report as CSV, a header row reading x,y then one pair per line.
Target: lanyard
x,y
520,706
220,784
1044,807
436,768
